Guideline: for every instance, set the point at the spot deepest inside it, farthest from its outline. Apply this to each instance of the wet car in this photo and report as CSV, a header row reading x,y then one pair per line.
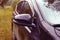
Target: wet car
x,y
43,23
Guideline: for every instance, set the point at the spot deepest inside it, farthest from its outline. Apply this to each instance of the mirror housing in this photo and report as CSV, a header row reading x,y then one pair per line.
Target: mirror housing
x,y
23,19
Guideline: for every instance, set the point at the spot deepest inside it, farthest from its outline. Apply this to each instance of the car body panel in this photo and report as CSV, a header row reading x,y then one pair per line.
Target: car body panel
x,y
43,9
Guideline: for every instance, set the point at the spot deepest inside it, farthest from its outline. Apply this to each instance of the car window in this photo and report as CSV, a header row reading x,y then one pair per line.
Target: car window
x,y
23,7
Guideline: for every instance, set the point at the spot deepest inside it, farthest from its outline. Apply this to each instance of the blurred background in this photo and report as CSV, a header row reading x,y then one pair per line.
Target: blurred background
x,y
6,9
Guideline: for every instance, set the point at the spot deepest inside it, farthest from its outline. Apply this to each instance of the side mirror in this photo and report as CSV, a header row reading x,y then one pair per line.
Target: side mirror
x,y
23,19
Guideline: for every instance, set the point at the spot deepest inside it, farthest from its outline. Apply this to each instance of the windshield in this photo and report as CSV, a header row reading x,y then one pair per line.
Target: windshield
x,y
50,12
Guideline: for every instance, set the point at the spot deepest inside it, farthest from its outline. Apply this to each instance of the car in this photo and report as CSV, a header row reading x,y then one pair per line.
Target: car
x,y
44,24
